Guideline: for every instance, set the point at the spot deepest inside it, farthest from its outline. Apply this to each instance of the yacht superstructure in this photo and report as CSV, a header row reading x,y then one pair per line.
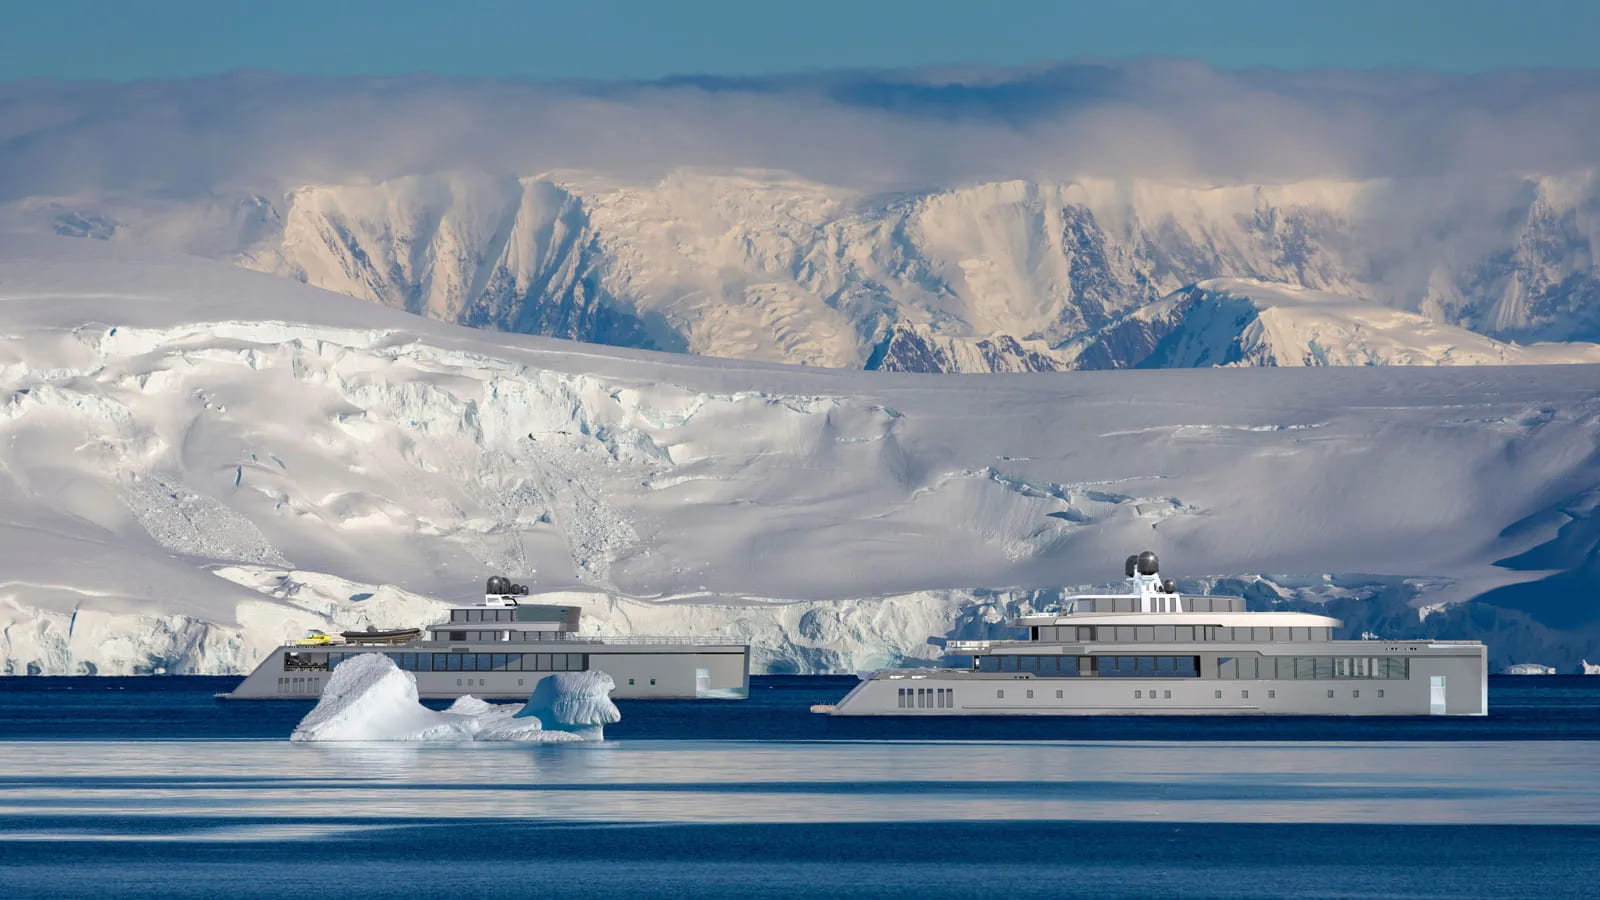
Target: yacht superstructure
x,y
501,648
1154,651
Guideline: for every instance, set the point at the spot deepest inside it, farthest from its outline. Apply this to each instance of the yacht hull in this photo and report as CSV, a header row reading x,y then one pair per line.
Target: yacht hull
x,y
446,671
1441,680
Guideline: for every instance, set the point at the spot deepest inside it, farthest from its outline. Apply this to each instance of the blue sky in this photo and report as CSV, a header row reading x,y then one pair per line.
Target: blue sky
x,y
608,39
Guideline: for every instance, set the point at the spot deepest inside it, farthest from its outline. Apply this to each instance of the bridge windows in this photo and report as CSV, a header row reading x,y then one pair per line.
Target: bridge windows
x,y
1313,668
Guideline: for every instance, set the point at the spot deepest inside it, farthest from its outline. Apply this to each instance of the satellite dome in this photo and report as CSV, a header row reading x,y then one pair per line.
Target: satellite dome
x,y
1148,564
1130,566
1169,586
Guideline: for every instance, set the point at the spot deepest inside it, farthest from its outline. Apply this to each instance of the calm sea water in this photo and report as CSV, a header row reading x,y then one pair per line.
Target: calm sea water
x,y
150,787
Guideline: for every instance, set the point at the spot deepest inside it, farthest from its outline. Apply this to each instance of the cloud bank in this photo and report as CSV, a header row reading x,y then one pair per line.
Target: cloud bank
x,y
873,130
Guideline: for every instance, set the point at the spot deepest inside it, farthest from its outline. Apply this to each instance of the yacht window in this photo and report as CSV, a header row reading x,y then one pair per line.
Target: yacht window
x,y
652,681
988,664
458,635
543,661
1324,666
1280,634
1183,633
1356,694
1218,633
1166,695
1304,667
497,662
1138,694
1300,634
1008,663
1049,665
901,698
1380,693
1145,633
1227,667
1146,665
1247,666
1125,633
1027,663
558,662
1047,633
1030,695
1000,694
1167,633
577,662
1058,695
1218,694
1260,634
1330,695
1069,665
513,662
1272,695
1086,632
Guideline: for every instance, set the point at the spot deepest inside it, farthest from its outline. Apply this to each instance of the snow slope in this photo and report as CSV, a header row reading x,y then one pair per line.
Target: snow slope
x,y
186,482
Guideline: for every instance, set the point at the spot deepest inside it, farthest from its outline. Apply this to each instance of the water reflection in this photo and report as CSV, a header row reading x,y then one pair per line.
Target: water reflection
x,y
69,788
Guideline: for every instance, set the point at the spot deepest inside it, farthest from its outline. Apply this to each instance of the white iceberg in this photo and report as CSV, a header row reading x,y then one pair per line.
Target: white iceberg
x,y
369,698
573,702
1528,669
1589,668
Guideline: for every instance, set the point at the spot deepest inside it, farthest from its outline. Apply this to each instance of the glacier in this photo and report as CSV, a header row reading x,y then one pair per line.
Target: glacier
x,y
369,698
188,482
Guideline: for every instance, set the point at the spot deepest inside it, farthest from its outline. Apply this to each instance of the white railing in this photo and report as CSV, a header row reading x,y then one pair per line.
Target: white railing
x,y
964,646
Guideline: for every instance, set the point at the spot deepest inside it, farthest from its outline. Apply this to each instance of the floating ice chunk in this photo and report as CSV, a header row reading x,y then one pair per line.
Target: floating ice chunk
x,y
1589,668
369,698
1528,669
574,702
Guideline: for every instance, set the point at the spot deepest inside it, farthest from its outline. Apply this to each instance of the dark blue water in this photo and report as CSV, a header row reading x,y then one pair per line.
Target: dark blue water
x,y
1522,708
148,787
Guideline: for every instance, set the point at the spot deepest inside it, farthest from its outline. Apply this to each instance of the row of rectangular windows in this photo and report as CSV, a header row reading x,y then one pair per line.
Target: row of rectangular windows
x,y
1246,667
516,635
1131,604
1284,668
1103,666
927,698
451,662
483,615
1176,633
1138,694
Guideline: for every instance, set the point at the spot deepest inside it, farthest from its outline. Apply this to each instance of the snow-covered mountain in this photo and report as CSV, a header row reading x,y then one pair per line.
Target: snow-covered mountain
x,y
198,461
985,277
1240,322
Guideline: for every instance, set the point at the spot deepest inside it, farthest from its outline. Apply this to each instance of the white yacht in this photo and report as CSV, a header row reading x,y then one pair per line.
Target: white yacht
x,y
500,649
1153,651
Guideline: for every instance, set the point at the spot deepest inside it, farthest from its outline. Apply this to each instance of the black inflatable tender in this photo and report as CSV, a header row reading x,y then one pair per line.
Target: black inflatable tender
x,y
1148,563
